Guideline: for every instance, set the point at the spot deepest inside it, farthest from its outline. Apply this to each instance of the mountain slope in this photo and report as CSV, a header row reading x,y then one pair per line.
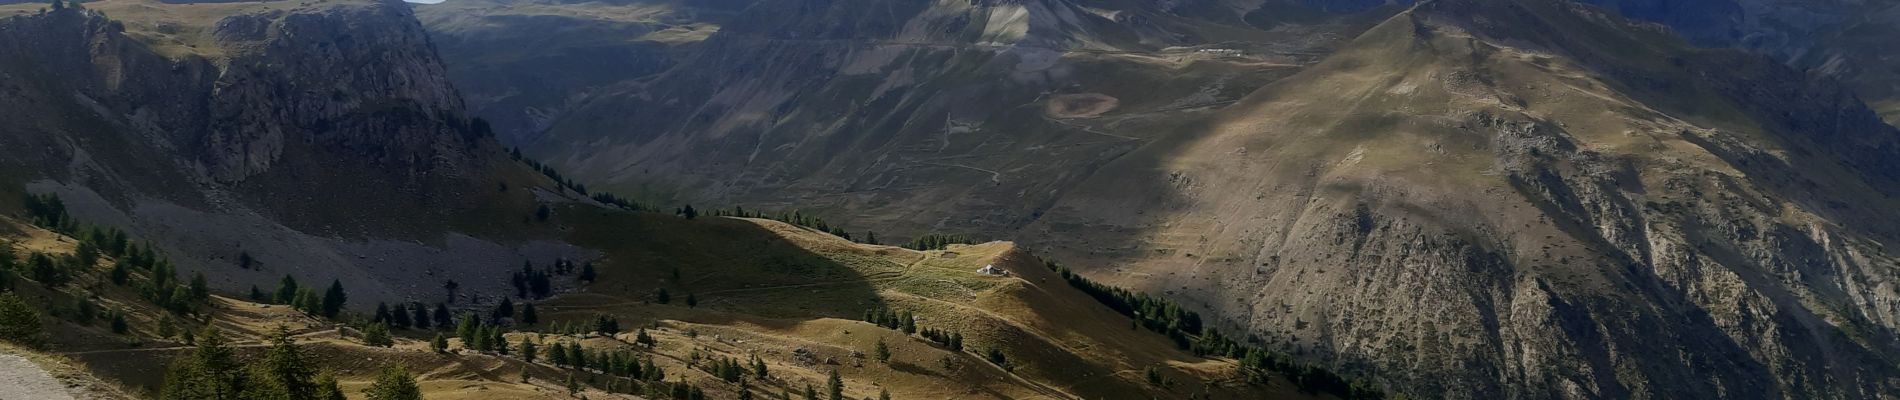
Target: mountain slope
x,y
322,140
1539,194
1469,199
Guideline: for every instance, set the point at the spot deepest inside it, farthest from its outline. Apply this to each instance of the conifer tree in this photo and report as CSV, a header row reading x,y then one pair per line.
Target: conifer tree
x,y
442,316
333,299
467,329
528,316
835,386
399,316
327,388
883,351
528,350
421,317
394,383
286,290
440,344
377,335
19,323
200,290
284,372
641,338
505,310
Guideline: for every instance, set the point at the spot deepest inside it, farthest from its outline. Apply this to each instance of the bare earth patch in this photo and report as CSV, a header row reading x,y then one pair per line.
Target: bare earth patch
x,y
1081,105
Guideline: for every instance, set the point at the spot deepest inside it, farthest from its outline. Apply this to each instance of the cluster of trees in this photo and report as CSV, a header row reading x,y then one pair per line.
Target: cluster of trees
x,y
48,211
1255,362
938,241
1157,314
952,340
163,287
1185,329
478,335
532,283
622,202
727,369
794,218
212,371
905,321
327,305
549,171
619,362
902,321
413,315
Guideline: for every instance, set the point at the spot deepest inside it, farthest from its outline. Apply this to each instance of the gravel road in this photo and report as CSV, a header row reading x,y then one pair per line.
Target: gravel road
x,y
21,379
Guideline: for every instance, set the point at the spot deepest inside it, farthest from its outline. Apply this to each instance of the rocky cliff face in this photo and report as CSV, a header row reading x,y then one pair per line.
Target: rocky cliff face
x,y
323,138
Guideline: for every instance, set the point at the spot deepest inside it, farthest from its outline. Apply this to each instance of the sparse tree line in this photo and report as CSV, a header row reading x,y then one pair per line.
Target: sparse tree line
x,y
329,304
286,371
938,241
906,322
1184,328
795,218
549,171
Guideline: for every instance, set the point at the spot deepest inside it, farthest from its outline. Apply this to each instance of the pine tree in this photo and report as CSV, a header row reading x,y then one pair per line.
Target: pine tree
x,y
883,394
200,290
835,386
399,316
527,349
440,344
498,341
662,297
528,316
758,367
557,355
286,290
382,313
309,302
641,338
883,351
377,334
691,301
394,383
442,316
587,272
333,299
119,273
809,393
285,372
118,323
327,388
257,295
467,329
572,386
505,310
19,323
421,317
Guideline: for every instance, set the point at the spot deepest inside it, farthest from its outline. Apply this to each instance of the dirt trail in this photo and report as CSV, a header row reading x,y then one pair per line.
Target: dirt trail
x,y
21,379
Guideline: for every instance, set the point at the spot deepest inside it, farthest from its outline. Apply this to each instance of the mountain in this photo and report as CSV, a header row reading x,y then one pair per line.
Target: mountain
x,y
1456,198
255,131
274,171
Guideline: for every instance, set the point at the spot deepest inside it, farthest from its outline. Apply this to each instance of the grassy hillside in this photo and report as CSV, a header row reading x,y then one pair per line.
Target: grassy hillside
x,y
739,288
